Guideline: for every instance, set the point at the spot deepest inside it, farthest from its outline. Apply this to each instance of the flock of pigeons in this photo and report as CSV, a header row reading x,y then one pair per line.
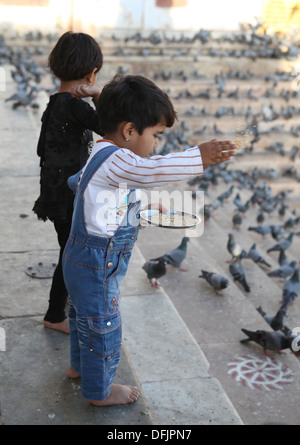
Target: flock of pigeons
x,y
27,72
31,77
280,337
251,125
254,42
28,76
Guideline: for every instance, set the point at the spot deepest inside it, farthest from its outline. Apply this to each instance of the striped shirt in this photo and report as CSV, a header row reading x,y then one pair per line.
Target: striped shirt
x,y
107,194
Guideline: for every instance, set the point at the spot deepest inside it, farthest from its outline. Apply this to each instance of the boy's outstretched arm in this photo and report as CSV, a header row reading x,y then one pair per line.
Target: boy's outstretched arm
x,y
214,152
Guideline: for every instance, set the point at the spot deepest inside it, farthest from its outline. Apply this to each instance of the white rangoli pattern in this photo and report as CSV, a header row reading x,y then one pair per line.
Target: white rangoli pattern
x,y
264,374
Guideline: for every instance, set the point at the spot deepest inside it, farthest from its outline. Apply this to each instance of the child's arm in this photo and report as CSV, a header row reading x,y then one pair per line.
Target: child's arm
x,y
82,90
215,151
126,167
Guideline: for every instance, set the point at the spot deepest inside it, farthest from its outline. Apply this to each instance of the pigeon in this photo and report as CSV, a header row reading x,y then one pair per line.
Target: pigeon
x,y
269,340
237,221
291,289
237,201
254,255
244,207
217,281
21,98
237,271
284,271
234,248
225,195
289,223
282,245
275,322
260,217
207,213
276,232
215,204
261,230
176,256
155,270
282,259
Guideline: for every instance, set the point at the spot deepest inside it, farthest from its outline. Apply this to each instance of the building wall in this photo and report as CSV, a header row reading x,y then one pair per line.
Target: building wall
x,y
44,15
94,16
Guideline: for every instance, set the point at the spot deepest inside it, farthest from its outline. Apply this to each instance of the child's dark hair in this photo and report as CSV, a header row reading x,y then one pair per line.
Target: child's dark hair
x,y
135,99
74,56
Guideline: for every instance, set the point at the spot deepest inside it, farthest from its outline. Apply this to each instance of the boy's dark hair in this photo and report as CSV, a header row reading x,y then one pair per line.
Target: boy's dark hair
x,y
74,56
135,99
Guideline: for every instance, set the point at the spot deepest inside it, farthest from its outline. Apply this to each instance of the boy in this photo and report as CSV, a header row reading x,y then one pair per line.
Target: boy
x,y
133,112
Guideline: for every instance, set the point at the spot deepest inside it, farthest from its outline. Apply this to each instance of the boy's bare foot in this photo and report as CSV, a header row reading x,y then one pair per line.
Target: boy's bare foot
x,y
63,326
119,395
72,374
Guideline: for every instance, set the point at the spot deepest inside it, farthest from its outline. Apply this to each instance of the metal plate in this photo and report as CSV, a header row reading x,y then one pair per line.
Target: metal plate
x,y
147,215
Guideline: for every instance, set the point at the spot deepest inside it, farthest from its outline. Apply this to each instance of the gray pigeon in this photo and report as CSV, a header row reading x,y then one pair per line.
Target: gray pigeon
x,y
276,232
275,322
217,281
282,245
176,256
21,98
254,255
282,259
269,340
234,248
237,271
237,220
242,207
291,289
261,230
155,270
225,195
237,200
284,271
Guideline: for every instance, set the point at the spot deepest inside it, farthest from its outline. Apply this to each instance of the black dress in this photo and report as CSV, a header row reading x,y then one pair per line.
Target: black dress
x,y
65,141
64,144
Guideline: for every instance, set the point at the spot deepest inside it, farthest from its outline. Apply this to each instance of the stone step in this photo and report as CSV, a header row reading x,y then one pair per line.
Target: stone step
x,y
216,322
169,363
220,225
223,216
182,338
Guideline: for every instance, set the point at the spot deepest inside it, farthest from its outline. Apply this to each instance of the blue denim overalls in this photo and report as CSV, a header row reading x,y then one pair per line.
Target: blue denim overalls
x,y
93,271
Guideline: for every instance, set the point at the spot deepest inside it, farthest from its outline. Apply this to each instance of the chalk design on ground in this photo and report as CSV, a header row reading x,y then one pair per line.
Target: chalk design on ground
x,y
262,373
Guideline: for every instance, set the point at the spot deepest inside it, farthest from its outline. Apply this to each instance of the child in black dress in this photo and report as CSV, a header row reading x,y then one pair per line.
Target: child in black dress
x,y
64,144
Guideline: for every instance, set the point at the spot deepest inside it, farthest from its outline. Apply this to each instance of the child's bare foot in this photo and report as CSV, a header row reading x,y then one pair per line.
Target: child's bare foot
x,y
119,395
63,326
72,374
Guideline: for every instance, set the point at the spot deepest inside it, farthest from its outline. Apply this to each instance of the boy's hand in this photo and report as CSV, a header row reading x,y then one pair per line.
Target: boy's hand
x,y
214,152
83,90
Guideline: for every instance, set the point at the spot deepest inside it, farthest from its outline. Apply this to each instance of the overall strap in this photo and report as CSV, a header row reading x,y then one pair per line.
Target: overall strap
x,y
76,181
96,161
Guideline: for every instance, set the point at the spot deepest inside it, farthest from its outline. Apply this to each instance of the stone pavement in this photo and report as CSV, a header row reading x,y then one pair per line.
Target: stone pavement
x,y
160,355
